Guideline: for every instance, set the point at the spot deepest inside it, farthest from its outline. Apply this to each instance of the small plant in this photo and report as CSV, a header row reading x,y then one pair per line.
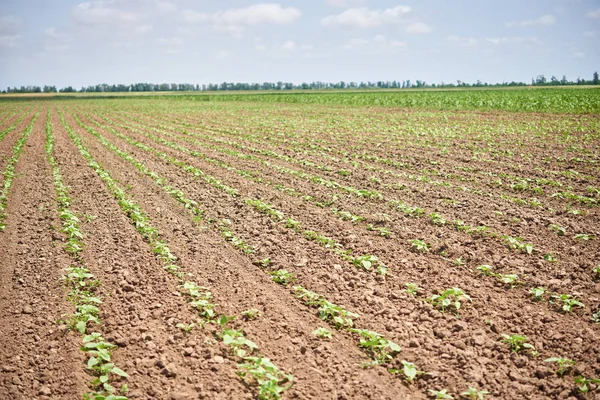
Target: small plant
x,y
323,333
518,342
252,313
186,328
381,349
292,224
283,277
440,394
437,219
559,230
474,394
409,370
449,298
420,245
583,384
510,279
564,364
537,293
383,231
549,257
270,380
567,301
237,341
596,272
584,236
366,262
264,263
486,270
412,288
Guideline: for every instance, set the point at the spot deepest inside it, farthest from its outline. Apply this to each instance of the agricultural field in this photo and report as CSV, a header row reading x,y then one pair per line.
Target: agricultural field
x,y
184,247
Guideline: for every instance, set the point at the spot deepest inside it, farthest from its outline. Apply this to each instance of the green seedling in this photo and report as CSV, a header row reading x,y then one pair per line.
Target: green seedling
x,y
283,277
584,236
440,394
186,328
474,394
419,245
486,270
510,279
412,288
596,317
409,371
459,262
596,272
437,219
549,257
537,293
559,230
381,350
272,383
567,302
239,344
564,364
264,263
382,230
449,298
518,342
346,216
366,262
292,224
584,385
252,313
323,333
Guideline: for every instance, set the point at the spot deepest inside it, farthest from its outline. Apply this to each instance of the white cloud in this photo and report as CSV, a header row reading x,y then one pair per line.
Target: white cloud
x,y
9,40
174,41
9,24
463,41
355,43
418,28
222,54
364,17
144,29
590,34
346,3
307,47
103,13
544,20
508,40
260,47
379,39
289,45
55,33
235,20
579,54
593,14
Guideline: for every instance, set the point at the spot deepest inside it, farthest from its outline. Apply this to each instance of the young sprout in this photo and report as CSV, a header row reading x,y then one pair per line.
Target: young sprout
x,y
567,301
564,364
584,236
518,342
537,292
420,245
487,270
511,279
474,394
459,262
252,313
596,272
549,257
409,370
412,288
323,333
382,350
560,231
449,297
186,328
437,219
440,394
264,263
283,277
596,317
583,384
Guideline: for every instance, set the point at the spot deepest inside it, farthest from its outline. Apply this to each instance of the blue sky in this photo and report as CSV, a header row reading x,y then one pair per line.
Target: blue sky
x,y
73,42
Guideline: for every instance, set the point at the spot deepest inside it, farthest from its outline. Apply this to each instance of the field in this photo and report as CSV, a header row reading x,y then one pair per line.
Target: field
x,y
340,246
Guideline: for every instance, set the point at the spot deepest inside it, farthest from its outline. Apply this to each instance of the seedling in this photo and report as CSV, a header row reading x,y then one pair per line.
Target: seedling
x,y
459,262
537,293
486,270
323,333
584,236
449,298
437,219
518,342
474,394
292,224
560,231
186,328
440,394
252,313
236,340
409,370
381,349
564,364
383,231
583,384
549,257
283,277
412,288
264,263
510,279
270,380
596,272
366,262
419,245
567,301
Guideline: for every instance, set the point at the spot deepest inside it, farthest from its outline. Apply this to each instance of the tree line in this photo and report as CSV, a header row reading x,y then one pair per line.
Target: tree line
x,y
540,80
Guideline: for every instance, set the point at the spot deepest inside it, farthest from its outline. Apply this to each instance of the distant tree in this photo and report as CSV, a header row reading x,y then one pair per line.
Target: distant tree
x,y
595,80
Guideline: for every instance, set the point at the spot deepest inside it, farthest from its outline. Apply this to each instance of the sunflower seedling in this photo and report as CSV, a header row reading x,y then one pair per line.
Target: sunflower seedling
x,y
282,276
518,342
474,394
252,313
564,364
419,245
381,350
567,302
186,328
323,333
409,371
449,298
583,384
537,293
412,288
440,394
486,270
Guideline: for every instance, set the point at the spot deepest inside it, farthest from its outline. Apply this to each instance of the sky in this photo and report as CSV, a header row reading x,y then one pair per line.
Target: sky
x,y
81,43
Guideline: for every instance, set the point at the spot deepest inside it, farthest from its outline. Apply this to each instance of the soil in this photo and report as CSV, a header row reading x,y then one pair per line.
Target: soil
x,y
142,303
